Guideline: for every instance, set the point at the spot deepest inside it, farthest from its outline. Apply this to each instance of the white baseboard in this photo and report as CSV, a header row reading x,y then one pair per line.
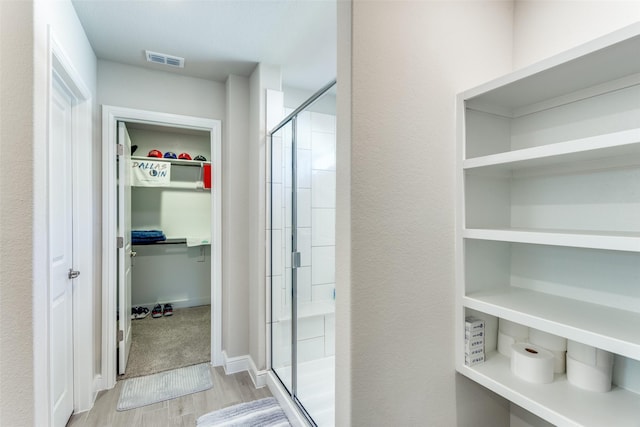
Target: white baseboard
x,y
233,365
98,384
259,378
184,303
296,419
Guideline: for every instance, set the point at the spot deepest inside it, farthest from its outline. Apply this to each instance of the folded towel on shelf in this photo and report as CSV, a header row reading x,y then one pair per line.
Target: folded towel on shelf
x,y
198,241
147,236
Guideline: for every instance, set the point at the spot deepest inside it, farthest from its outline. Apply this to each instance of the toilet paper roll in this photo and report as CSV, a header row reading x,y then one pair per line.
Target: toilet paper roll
x,y
504,344
515,330
589,377
559,361
549,341
532,363
589,355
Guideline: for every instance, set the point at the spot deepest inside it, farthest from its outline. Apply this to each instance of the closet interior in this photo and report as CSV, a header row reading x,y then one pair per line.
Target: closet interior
x,y
171,275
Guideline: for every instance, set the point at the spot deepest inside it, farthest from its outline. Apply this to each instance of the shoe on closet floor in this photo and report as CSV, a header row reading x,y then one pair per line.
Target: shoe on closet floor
x,y
134,313
142,312
168,310
157,311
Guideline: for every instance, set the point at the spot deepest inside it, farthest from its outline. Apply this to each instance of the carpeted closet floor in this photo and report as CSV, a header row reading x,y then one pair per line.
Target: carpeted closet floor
x,y
169,342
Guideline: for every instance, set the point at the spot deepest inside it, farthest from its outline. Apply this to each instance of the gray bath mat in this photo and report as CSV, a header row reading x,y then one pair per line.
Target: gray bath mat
x,y
143,391
264,413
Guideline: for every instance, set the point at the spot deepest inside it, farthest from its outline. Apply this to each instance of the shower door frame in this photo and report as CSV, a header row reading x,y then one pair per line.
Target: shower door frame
x,y
295,255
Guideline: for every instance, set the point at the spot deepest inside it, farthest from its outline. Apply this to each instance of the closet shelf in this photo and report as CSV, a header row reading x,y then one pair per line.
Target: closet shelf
x,y
177,162
558,402
617,241
611,329
171,241
616,145
176,241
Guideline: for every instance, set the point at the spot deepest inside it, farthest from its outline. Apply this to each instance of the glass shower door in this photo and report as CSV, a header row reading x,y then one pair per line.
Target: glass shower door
x,y
302,184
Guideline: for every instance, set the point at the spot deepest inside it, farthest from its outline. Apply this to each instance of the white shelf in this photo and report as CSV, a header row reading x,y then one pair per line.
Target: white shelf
x,y
607,58
168,241
178,162
175,186
559,402
616,241
623,144
610,329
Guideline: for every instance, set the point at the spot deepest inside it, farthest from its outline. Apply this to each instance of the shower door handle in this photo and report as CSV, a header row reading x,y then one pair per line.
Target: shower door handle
x,y
295,259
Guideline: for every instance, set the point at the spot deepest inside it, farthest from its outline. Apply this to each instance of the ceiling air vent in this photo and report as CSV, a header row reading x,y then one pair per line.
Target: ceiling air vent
x,y
161,58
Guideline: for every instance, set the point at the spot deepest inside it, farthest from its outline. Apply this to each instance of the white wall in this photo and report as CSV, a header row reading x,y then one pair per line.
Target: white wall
x,y
409,59
545,27
134,87
235,217
174,274
23,264
263,77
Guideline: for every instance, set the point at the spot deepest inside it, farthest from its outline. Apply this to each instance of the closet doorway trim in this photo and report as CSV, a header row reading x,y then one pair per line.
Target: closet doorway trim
x,y
110,116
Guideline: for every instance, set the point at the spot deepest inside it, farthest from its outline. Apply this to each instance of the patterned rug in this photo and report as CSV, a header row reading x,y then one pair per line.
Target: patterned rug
x,y
264,413
143,391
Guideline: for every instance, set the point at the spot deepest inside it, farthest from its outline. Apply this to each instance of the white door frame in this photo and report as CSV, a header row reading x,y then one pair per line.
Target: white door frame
x,y
59,63
110,116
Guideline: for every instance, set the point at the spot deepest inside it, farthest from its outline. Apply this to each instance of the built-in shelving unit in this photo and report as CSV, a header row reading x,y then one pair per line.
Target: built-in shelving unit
x,y
548,221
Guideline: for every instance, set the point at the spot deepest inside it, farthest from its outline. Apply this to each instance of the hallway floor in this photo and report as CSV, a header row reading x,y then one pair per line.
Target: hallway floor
x,y
227,390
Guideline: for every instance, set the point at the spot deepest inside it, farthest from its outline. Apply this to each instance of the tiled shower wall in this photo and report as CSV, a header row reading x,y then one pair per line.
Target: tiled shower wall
x,y
316,204
316,177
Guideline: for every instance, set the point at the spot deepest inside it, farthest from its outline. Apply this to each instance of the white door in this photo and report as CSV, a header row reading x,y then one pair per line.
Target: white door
x,y
125,252
61,252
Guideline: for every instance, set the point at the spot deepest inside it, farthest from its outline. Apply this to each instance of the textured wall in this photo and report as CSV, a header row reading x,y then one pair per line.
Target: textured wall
x,y
409,60
134,87
16,206
25,28
235,217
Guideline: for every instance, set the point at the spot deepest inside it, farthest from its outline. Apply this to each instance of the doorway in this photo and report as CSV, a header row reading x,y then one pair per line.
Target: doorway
x,y
163,270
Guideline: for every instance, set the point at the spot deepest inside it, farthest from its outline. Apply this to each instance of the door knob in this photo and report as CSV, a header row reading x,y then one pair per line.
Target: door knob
x,y
73,273
133,254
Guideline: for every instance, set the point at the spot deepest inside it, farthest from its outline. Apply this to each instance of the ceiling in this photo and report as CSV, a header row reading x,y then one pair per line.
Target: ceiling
x,y
218,37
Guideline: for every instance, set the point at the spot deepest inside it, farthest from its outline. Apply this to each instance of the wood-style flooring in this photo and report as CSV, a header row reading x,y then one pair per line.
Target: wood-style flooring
x,y
227,390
